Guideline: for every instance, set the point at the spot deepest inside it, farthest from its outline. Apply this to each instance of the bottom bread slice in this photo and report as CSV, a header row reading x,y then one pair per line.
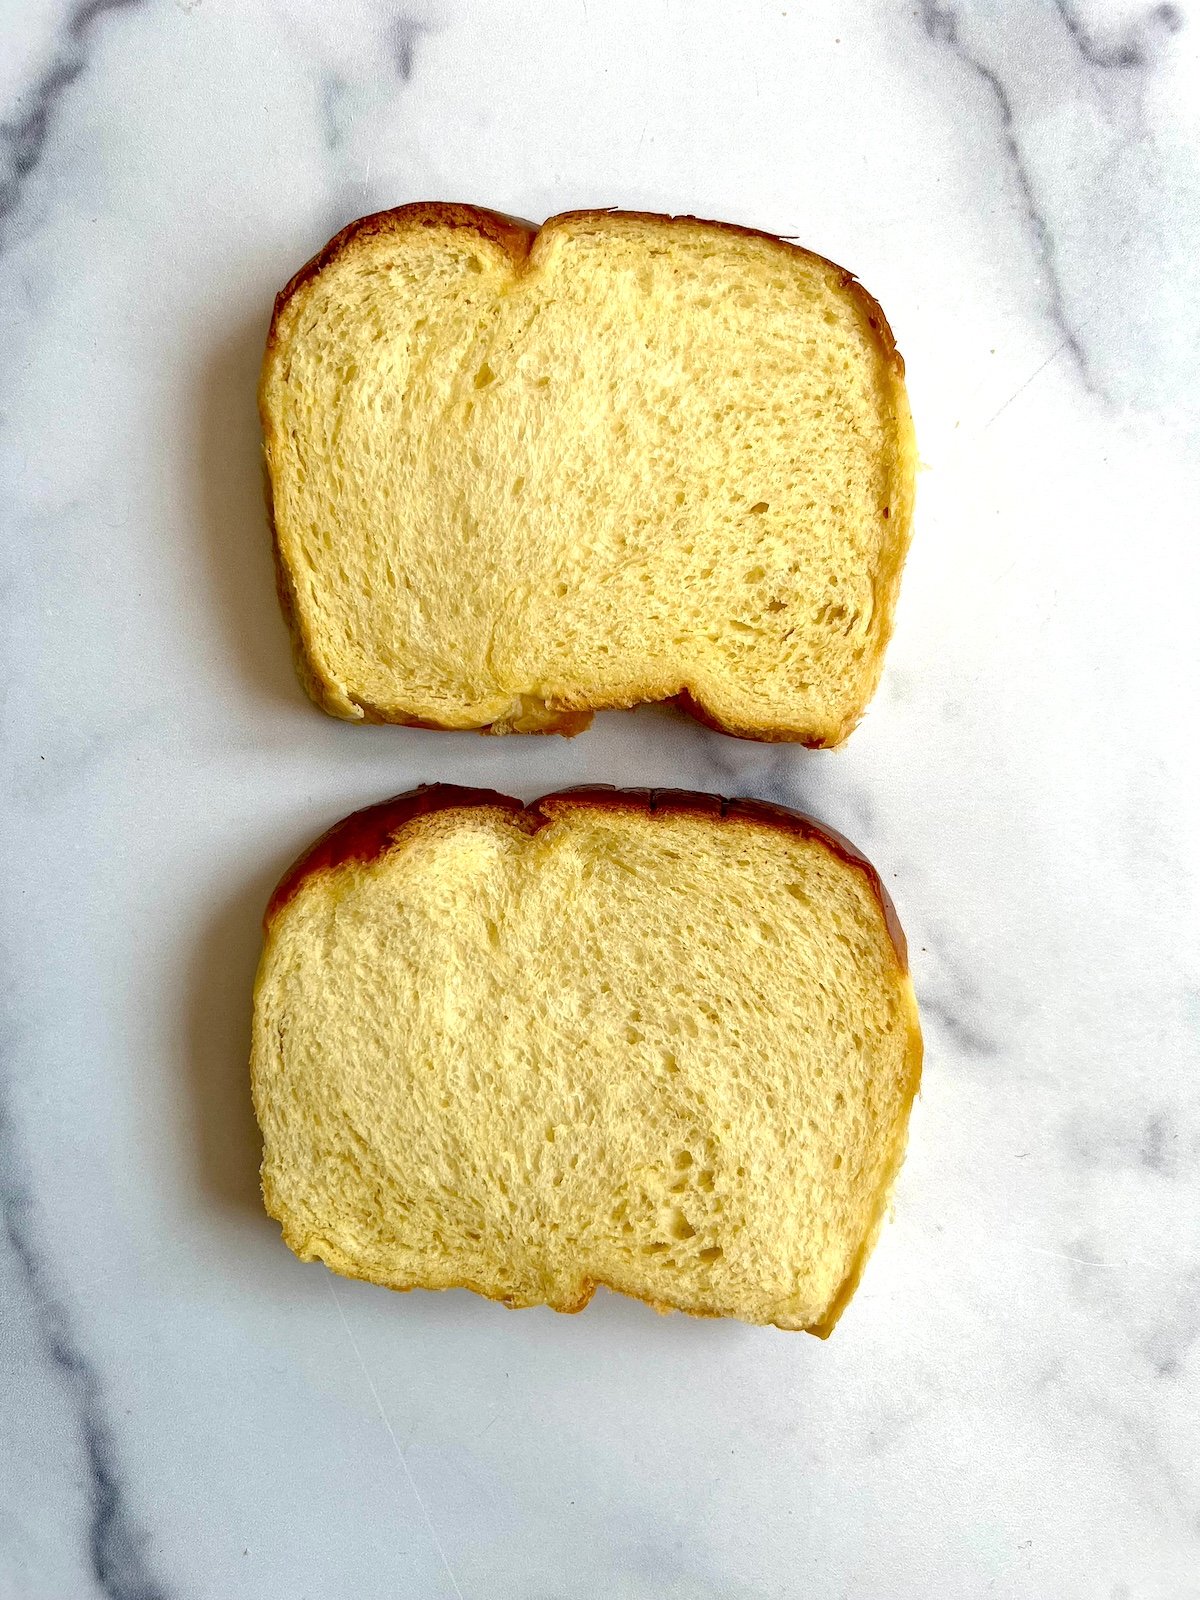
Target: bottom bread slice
x,y
648,1039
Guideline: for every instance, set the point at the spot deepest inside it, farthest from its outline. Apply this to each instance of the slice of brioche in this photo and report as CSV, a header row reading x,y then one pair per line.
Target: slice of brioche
x,y
521,474
648,1039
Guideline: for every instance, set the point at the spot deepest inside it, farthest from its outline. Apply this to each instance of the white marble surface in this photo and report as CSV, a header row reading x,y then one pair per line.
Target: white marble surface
x,y
1010,1407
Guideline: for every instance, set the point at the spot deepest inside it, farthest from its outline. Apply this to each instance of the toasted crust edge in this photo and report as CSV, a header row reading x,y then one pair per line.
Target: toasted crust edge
x,y
518,238
366,835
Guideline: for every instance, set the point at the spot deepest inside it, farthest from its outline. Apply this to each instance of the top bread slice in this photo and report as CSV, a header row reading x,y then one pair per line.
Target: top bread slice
x,y
518,474
654,1040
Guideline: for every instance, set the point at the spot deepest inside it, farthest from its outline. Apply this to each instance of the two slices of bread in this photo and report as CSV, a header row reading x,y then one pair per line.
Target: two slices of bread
x,y
519,474
652,1040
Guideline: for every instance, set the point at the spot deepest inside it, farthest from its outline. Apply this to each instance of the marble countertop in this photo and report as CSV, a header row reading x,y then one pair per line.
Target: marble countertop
x,y
1011,1406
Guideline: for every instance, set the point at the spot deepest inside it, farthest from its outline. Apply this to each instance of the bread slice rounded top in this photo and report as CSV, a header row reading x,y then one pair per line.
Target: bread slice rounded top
x,y
650,1039
520,474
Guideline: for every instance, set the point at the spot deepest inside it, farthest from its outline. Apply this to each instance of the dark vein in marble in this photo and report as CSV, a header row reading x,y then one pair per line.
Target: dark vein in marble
x,y
1177,1329
948,992
334,93
1134,1415
343,101
741,767
23,139
406,34
1113,1141
954,1026
941,23
1153,1150
1131,49
115,1544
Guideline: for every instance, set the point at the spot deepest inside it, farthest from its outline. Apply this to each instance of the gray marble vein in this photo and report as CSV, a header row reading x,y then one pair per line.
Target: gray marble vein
x,y
1094,143
406,35
1176,1331
23,136
1129,45
947,1020
352,102
115,1542
336,111
943,23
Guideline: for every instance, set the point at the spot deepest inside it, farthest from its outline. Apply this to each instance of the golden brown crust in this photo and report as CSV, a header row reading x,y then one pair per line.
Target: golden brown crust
x,y
365,836
511,233
519,239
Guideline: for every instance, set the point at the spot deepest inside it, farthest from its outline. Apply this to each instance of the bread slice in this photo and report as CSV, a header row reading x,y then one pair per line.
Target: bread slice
x,y
520,474
649,1039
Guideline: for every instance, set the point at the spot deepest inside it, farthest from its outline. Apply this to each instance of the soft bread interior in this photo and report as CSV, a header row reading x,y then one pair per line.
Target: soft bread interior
x,y
657,457
652,1051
